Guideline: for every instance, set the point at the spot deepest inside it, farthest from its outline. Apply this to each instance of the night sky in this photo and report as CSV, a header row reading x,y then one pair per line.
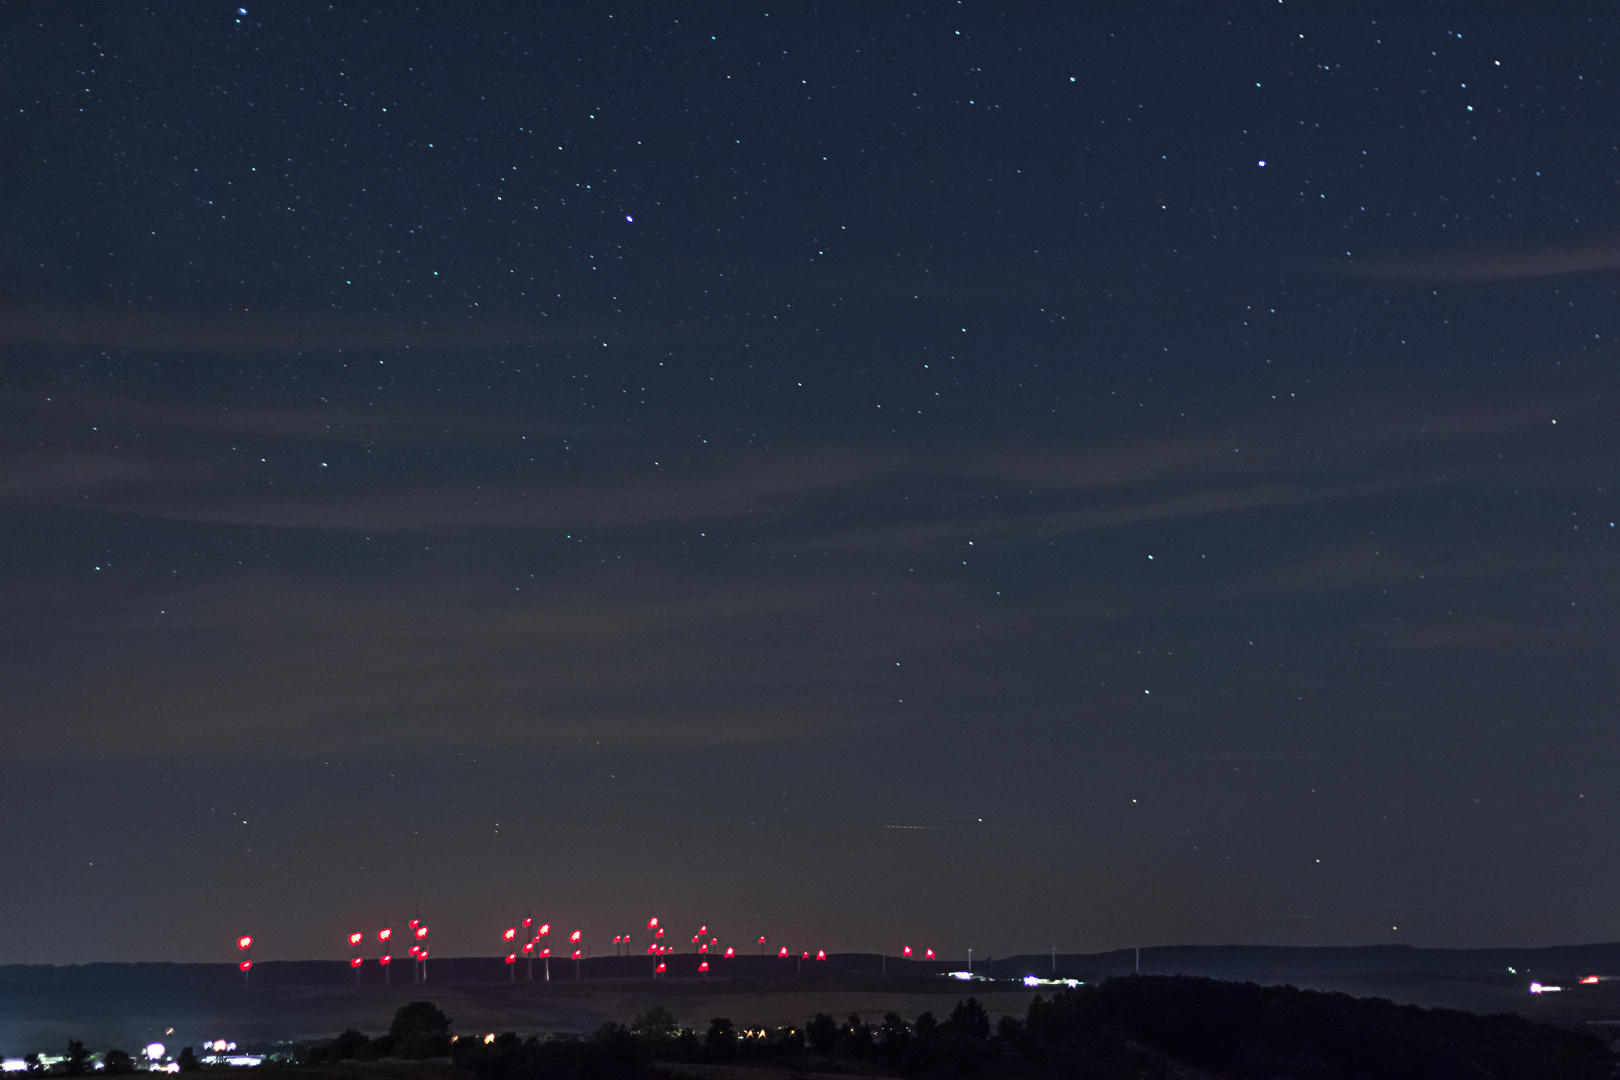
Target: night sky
x,y
952,475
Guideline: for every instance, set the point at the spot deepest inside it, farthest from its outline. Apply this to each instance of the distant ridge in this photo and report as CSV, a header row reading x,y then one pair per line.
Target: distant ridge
x,y
1244,963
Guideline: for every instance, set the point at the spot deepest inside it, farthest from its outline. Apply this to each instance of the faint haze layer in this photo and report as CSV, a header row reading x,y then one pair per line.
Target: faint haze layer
x,y
958,479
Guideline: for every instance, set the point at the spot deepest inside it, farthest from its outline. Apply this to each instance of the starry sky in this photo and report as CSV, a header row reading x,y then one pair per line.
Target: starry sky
x,y
950,475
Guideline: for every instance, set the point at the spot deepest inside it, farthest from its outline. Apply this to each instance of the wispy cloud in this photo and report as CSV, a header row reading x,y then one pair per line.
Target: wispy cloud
x,y
1487,266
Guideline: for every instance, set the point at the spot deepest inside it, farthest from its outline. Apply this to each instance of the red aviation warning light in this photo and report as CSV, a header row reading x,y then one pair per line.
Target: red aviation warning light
x,y
652,923
545,952
528,922
703,947
244,942
704,966
511,958
576,954
783,951
1590,980
906,951
355,962
704,929
574,936
652,950
660,968
511,932
528,946
730,951
384,934
385,959
354,938
246,965
821,954
421,932
545,928
928,954
660,932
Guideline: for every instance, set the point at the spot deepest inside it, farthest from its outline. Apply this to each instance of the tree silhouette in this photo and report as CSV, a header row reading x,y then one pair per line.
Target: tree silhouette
x,y
822,1033
420,1030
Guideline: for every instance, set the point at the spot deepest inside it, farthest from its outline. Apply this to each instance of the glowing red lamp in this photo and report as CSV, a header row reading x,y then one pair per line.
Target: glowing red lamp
x,y
660,968
574,936
528,922
246,965
577,952
545,928
385,959
783,951
528,946
244,942
511,958
354,938
652,923
704,966
384,934
906,951
821,954
928,954
421,932
511,932
730,951
355,962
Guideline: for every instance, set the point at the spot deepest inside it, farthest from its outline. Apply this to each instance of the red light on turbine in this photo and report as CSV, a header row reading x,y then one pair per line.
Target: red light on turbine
x,y
704,929
415,923
805,955
415,949
616,939
384,934
528,922
545,952
1590,980
652,950
246,965
731,951
762,939
510,933
704,966
660,968
660,932
528,946
652,922
511,958
421,932
821,954
422,955
354,938
783,952
385,959
244,942
577,952
545,928
355,962
574,936
703,947
694,939
928,954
